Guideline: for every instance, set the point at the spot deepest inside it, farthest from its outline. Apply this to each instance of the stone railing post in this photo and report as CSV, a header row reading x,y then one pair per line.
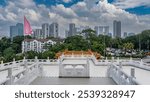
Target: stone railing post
x,y
41,69
131,59
120,65
88,67
14,62
82,54
25,63
47,59
106,61
132,72
60,67
36,61
118,60
112,59
2,64
10,81
141,62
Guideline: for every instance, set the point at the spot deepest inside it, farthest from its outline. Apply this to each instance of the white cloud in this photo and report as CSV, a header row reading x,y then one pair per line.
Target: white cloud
x,y
66,1
23,3
124,4
2,18
32,15
65,12
83,13
11,16
145,19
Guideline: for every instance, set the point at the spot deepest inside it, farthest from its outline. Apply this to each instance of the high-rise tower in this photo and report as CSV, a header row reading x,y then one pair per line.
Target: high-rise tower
x,y
117,28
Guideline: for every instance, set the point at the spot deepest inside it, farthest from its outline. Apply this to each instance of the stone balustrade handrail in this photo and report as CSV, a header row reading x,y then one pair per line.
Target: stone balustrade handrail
x,y
13,78
32,63
95,61
120,77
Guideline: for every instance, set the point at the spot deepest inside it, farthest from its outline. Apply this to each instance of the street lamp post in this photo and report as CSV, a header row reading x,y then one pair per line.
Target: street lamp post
x,y
139,43
104,46
140,46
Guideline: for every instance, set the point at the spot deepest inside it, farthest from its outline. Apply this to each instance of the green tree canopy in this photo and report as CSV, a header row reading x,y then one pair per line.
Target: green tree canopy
x,y
9,54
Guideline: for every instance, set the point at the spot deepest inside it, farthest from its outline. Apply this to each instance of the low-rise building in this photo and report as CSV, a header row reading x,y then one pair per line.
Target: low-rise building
x,y
37,45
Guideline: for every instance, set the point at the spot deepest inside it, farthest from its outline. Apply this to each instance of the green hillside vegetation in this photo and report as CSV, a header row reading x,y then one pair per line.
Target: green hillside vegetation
x,y
10,50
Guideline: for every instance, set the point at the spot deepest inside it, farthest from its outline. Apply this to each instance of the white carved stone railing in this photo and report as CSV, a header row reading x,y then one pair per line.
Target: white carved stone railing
x,y
25,75
78,69
49,61
33,68
120,77
6,80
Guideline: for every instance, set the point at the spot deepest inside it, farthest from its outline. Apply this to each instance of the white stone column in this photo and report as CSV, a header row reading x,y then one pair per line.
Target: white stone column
x,y
2,64
25,63
131,59
10,81
112,59
118,60
48,59
25,66
141,62
132,72
106,61
88,68
14,63
120,65
36,61
60,66
41,70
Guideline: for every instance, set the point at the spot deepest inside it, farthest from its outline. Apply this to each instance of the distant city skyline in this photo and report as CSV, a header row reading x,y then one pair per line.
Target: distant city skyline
x,y
133,16
46,30
102,30
52,30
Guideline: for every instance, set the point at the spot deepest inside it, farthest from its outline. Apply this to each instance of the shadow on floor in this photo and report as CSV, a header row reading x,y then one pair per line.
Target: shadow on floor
x,y
73,81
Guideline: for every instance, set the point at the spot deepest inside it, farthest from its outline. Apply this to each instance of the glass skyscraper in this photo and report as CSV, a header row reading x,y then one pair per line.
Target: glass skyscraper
x,y
117,28
16,30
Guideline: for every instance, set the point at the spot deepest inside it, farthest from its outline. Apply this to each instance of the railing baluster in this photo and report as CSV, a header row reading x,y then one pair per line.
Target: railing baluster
x,y
10,81
121,77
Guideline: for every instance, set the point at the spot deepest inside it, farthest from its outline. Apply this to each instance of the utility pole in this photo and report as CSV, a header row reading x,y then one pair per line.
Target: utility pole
x,y
139,43
140,46
148,45
104,45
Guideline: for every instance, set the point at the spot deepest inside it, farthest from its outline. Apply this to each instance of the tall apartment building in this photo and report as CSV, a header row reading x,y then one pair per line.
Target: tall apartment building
x,y
37,33
125,34
54,30
16,30
101,30
72,29
117,28
45,30
36,45
81,28
66,33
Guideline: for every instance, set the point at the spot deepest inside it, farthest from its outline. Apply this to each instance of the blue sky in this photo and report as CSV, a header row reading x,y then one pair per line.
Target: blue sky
x,y
55,2
2,2
141,10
